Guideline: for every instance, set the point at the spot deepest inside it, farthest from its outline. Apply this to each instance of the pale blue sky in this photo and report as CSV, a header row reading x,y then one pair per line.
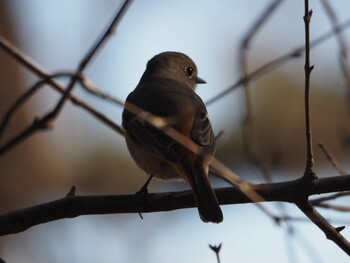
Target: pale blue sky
x,y
57,34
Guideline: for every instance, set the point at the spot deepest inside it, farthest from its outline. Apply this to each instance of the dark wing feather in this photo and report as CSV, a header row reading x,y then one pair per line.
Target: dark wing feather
x,y
202,132
144,134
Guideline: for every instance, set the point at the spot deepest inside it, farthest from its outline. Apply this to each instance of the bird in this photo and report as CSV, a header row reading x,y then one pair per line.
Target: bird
x,y
167,90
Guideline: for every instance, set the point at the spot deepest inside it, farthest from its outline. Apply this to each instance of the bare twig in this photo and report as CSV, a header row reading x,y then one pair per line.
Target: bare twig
x,y
164,125
221,170
88,86
216,250
309,151
309,177
49,118
331,232
47,121
245,187
87,58
73,206
26,96
265,15
256,73
332,160
26,61
336,30
304,219
71,191
339,208
343,47
250,138
280,61
329,197
219,135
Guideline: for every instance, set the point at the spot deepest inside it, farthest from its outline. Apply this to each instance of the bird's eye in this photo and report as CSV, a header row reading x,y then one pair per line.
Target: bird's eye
x,y
189,71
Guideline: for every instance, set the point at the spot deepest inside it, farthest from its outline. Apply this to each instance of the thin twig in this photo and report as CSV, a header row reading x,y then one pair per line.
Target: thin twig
x,y
309,151
261,71
250,138
333,207
216,250
163,124
331,159
47,122
304,219
86,60
309,177
88,86
331,232
265,15
30,64
219,135
245,187
343,47
297,52
26,96
328,198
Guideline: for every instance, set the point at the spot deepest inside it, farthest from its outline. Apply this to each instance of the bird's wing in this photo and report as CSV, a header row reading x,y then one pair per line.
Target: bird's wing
x,y
145,134
202,132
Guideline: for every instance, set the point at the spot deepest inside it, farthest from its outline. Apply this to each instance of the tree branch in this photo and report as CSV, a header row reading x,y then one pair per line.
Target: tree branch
x,y
331,159
343,46
72,206
309,152
249,127
274,64
331,232
47,122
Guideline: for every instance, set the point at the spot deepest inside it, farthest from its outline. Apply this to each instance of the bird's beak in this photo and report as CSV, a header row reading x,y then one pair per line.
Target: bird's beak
x,y
200,80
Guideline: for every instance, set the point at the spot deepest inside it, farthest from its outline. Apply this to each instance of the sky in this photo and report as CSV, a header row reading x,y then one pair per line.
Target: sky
x,y
57,33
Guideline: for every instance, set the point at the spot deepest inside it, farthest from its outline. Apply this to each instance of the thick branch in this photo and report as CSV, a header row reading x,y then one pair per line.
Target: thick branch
x,y
73,206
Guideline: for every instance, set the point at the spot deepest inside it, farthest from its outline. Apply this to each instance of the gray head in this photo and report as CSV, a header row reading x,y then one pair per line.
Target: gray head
x,y
173,65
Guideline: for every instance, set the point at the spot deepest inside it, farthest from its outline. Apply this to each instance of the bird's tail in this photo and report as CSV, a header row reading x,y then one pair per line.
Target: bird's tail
x,y
207,202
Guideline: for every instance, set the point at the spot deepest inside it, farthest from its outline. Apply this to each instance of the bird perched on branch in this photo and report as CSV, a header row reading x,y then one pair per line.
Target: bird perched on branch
x,y
167,90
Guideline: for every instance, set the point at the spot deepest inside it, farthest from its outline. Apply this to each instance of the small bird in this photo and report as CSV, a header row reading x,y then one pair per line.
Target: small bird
x,y
167,90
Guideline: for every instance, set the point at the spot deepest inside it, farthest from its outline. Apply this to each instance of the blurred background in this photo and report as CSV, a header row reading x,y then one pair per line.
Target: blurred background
x,y
84,152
